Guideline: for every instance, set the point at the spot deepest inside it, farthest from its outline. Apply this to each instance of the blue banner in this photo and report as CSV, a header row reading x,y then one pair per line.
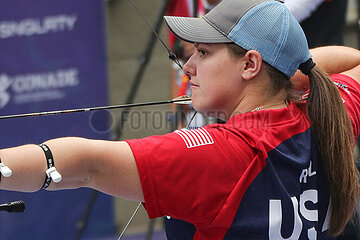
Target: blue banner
x,y
52,57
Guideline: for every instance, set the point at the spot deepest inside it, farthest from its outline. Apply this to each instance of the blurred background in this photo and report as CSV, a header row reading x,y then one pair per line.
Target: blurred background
x,y
76,54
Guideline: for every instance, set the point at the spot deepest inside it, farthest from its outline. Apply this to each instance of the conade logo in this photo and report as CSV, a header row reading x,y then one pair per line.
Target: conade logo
x,y
34,87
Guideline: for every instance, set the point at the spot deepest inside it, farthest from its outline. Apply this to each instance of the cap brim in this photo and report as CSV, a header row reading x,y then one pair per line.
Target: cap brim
x,y
195,30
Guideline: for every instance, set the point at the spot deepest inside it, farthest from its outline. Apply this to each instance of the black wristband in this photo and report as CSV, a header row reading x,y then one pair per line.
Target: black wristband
x,y
50,166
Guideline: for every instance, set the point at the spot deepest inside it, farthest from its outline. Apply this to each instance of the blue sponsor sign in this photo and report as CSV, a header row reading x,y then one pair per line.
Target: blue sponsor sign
x,y
52,57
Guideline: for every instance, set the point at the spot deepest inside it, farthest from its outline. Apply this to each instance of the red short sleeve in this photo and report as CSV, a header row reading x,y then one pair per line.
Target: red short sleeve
x,y
185,172
350,93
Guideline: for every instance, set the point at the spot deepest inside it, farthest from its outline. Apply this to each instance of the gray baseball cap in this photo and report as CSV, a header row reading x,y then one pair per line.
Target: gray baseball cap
x,y
266,26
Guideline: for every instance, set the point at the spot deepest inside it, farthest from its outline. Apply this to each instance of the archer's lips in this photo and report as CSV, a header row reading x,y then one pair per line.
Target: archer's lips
x,y
193,84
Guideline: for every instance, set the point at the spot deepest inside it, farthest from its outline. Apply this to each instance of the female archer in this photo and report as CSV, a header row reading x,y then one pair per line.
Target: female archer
x,y
281,167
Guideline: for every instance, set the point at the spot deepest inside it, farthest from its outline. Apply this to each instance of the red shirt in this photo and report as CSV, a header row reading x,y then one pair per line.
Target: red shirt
x,y
201,176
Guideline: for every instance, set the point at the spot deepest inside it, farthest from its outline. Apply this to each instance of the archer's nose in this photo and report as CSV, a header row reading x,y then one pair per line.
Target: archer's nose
x,y
190,67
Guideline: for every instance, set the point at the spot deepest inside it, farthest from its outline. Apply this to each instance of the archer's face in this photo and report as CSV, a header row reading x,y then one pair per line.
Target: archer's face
x,y
215,80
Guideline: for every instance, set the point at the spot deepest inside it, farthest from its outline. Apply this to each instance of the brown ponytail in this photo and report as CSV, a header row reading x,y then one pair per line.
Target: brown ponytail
x,y
332,126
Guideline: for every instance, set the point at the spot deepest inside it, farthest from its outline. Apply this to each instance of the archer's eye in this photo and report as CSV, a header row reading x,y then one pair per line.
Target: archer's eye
x,y
202,52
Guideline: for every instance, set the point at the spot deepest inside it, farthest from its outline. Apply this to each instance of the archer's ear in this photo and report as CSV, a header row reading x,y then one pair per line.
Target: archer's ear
x,y
252,64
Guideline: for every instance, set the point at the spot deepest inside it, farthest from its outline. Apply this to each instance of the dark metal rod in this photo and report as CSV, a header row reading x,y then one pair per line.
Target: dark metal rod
x,y
84,220
195,8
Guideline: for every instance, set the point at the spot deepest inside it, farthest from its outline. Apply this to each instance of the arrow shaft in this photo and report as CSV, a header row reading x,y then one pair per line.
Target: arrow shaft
x,y
36,114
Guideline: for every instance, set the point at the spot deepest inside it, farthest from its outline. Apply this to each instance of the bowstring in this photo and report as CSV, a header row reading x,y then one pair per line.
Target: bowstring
x,y
172,55
174,58
131,218
191,119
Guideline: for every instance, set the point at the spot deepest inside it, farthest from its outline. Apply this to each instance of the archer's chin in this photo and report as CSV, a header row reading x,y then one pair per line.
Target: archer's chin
x,y
209,112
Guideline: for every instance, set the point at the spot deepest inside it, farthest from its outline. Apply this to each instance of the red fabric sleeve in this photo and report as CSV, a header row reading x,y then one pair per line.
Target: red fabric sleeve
x,y
184,182
350,93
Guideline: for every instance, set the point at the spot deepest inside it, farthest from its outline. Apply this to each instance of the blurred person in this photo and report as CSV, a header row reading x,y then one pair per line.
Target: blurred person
x,y
323,21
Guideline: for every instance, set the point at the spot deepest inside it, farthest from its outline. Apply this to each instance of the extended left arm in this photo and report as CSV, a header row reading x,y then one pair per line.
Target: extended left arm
x,y
107,166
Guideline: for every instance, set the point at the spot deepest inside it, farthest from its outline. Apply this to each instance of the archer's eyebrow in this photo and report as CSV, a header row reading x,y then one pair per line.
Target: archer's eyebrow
x,y
197,44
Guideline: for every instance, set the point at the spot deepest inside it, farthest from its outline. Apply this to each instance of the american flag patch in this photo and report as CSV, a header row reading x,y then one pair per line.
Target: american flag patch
x,y
195,138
